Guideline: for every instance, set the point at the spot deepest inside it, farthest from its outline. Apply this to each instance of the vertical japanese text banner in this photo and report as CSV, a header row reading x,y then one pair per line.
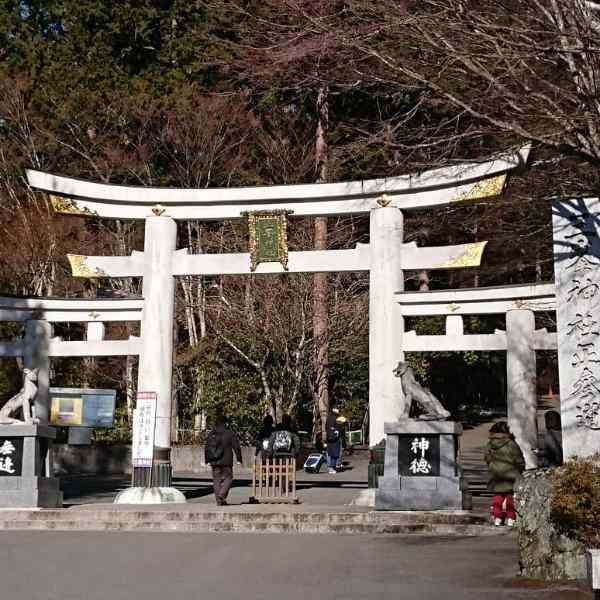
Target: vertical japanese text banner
x,y
144,423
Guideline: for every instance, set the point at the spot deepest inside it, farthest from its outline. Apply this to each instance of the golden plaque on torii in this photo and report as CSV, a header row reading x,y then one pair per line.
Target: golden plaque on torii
x,y
267,237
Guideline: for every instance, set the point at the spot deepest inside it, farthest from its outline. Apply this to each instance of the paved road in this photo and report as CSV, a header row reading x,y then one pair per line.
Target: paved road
x,y
153,566
323,489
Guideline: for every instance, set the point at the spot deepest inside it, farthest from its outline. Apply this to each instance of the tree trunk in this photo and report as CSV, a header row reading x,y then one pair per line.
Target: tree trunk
x,y
195,247
476,271
130,386
186,286
127,287
174,388
249,298
201,306
321,287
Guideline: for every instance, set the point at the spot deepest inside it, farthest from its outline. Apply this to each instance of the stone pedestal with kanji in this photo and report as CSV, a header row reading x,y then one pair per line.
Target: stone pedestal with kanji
x,y
26,474
421,470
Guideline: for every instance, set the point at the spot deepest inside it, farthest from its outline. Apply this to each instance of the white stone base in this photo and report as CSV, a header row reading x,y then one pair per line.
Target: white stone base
x,y
153,495
593,566
364,498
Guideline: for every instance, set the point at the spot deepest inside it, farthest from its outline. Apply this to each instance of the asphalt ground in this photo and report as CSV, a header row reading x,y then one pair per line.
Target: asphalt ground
x,y
229,566
320,489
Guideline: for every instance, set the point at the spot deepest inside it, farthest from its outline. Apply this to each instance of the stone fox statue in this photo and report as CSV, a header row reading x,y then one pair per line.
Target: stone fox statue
x,y
23,399
414,392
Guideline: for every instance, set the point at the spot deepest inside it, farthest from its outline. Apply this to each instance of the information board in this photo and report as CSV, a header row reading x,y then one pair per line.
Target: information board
x,y
82,407
144,420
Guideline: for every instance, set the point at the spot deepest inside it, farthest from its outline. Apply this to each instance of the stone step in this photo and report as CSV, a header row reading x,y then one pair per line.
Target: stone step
x,y
248,526
258,518
226,516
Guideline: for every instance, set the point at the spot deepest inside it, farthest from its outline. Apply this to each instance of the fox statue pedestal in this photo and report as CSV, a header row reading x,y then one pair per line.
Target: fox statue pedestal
x,y
421,470
26,474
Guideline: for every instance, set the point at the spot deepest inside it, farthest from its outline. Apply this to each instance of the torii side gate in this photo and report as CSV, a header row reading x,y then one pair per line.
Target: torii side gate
x,y
38,345
520,341
385,257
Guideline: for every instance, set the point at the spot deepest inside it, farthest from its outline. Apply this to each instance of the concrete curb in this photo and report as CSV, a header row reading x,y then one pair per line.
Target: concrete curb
x,y
127,518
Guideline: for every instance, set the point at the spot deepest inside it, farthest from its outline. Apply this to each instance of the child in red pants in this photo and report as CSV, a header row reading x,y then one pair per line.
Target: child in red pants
x,y
503,504
505,463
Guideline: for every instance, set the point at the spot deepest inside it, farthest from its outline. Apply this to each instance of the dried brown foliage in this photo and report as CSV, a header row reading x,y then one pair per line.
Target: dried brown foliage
x,y
575,502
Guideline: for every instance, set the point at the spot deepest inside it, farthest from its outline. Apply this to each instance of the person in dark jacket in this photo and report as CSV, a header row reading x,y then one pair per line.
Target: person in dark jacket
x,y
552,455
343,423
284,442
505,464
263,436
225,444
334,433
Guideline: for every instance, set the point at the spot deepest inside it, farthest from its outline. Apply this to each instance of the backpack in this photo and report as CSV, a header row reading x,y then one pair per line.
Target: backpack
x,y
282,442
333,435
213,451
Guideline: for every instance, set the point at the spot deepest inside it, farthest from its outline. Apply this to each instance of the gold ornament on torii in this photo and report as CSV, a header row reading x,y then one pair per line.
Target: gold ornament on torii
x,y
267,237
68,206
80,268
486,188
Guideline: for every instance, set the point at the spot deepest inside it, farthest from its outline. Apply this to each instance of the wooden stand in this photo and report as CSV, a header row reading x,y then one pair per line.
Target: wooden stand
x,y
274,480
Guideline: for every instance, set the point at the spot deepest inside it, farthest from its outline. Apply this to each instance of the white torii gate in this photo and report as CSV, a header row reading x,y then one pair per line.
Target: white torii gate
x,y
385,257
519,341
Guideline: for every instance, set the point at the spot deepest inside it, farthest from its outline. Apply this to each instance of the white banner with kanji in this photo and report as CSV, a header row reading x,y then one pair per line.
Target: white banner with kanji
x,y
144,422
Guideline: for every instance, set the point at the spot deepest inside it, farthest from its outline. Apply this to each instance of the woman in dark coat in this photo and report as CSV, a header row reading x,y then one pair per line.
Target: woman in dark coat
x,y
334,431
505,463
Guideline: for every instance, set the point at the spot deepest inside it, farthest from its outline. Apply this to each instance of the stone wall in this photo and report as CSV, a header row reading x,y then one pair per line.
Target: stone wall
x,y
190,459
544,554
116,459
91,460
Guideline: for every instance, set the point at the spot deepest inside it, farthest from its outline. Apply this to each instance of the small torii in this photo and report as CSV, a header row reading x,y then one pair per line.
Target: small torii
x,y
23,399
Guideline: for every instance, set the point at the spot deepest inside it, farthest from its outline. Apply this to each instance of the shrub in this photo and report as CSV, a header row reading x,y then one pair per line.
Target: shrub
x,y
575,501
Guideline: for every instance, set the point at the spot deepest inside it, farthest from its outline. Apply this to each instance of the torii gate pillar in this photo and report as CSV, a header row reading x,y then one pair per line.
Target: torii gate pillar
x,y
521,381
37,342
386,323
156,356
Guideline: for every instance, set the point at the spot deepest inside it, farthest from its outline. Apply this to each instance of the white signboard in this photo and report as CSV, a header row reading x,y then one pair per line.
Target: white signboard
x,y
144,420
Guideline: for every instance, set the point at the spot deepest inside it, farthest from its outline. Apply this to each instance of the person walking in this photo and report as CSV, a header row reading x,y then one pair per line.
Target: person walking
x,y
263,437
221,445
333,436
505,464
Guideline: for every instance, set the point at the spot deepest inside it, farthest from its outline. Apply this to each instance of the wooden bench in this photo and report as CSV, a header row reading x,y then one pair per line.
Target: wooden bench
x,y
274,480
